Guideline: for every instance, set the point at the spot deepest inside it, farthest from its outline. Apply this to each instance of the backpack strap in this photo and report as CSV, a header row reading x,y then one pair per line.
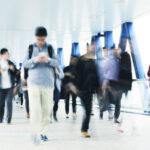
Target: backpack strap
x,y
30,51
50,51
25,73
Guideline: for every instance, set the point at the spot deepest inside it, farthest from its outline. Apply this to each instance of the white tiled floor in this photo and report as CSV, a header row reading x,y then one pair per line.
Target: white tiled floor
x,y
65,135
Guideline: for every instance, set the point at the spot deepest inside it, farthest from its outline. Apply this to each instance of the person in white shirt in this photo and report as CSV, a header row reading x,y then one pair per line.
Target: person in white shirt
x,y
7,80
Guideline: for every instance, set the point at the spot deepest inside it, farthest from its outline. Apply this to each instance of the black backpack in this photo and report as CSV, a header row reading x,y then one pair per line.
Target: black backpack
x,y
50,53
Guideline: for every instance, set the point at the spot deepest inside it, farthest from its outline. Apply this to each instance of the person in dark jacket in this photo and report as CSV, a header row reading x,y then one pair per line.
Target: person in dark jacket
x,y
83,82
115,89
69,72
125,73
7,81
87,84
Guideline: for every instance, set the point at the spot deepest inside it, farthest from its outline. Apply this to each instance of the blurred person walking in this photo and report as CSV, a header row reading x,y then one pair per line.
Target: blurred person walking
x,y
119,83
69,73
24,76
87,84
57,90
110,73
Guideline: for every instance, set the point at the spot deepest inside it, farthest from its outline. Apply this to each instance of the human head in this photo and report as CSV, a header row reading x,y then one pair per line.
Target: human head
x,y
74,60
4,54
91,49
116,52
105,52
40,36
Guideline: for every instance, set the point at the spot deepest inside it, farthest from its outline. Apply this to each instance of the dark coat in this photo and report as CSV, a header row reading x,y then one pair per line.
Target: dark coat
x,y
87,75
125,74
11,73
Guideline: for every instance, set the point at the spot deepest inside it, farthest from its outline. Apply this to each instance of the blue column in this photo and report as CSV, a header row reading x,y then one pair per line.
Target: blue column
x,y
75,49
93,39
123,38
109,42
60,56
99,48
128,34
96,39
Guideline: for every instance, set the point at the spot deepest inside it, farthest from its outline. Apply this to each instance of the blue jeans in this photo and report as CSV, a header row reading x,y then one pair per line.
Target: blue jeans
x,y
6,95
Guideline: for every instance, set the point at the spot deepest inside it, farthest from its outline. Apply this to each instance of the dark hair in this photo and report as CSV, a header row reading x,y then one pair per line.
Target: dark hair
x,y
3,51
104,47
74,56
40,31
93,42
125,59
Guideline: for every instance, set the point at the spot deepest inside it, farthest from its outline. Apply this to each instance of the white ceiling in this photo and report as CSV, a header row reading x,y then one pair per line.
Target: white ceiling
x,y
69,17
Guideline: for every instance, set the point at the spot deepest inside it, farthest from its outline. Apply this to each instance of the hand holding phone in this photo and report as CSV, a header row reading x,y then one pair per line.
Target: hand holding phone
x,y
44,57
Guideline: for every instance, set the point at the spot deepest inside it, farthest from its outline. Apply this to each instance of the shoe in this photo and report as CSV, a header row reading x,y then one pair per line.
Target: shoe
x,y
44,138
86,134
8,121
28,115
120,130
67,116
116,121
35,139
101,116
55,117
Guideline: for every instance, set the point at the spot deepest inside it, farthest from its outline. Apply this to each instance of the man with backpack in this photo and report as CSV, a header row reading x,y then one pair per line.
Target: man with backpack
x,y
41,64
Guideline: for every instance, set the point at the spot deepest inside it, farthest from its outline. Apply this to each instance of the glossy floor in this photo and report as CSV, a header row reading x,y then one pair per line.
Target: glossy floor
x,y
65,135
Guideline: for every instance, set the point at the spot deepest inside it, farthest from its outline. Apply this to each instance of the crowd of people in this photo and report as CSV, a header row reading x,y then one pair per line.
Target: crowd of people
x,y
42,83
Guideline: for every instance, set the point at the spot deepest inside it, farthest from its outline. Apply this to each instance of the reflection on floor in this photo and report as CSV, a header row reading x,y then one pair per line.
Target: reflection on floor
x,y
65,135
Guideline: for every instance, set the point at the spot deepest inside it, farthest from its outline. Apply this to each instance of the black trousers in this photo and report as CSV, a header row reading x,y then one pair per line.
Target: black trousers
x,y
26,96
6,95
55,107
56,100
20,95
115,98
87,105
117,105
73,102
